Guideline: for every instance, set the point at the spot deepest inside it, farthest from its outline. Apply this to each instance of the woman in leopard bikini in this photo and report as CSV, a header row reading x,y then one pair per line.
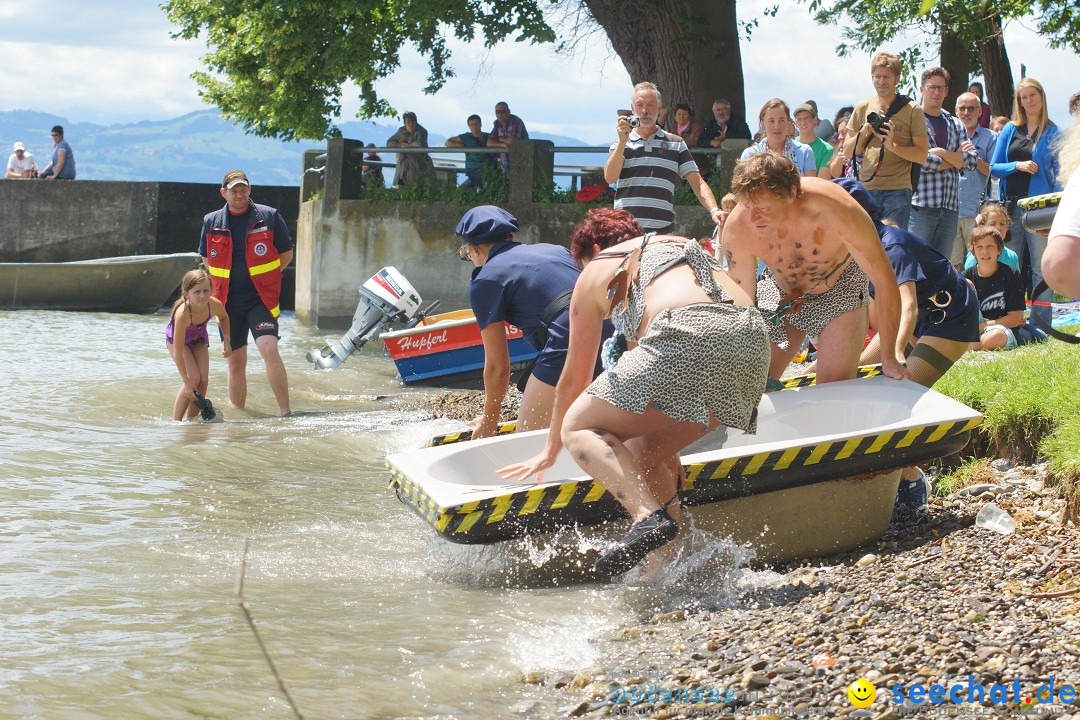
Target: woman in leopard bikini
x,y
690,353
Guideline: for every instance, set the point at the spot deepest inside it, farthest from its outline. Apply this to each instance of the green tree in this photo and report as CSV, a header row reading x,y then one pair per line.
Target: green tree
x,y
967,35
278,66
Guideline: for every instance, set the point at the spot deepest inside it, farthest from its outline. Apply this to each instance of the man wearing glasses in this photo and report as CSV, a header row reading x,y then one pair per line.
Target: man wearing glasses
x,y
935,204
506,129
62,165
972,186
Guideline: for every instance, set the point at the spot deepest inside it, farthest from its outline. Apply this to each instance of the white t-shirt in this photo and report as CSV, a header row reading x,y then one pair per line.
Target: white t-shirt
x,y
20,166
1067,217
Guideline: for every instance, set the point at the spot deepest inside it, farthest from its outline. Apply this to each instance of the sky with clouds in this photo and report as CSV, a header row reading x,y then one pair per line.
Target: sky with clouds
x,y
113,61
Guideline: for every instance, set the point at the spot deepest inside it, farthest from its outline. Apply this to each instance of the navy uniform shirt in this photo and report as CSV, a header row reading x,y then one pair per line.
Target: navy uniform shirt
x,y
518,282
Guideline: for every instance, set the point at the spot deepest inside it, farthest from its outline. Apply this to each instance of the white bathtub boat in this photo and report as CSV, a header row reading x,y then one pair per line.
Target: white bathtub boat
x,y
819,477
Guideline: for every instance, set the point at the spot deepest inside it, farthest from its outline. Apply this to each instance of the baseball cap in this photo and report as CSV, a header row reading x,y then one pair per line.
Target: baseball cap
x,y
808,106
234,178
860,194
486,224
18,146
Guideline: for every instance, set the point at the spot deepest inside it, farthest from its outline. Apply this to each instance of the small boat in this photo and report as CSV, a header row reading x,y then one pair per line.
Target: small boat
x,y
130,283
795,381
819,477
446,350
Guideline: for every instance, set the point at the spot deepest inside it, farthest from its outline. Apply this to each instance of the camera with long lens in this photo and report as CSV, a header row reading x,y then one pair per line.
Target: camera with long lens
x,y
877,122
634,121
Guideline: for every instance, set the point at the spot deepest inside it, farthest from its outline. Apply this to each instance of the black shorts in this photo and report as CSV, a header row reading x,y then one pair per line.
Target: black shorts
x,y
255,318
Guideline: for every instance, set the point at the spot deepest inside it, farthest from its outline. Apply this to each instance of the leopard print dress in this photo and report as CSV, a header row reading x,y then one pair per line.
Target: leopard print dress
x,y
850,291
693,361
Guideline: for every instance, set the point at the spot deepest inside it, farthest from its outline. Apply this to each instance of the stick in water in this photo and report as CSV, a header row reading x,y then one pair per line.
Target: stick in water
x,y
255,632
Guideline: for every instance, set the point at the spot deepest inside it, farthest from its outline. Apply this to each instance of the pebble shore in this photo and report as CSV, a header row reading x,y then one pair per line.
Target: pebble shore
x,y
937,599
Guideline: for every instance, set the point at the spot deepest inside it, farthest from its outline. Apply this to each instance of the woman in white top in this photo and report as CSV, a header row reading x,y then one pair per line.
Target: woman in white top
x,y
775,118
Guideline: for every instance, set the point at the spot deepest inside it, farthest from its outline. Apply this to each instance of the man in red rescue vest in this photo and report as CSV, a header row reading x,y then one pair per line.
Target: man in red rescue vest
x,y
246,246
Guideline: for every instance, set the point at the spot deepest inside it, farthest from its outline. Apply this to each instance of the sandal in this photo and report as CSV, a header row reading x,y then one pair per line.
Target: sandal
x,y
645,536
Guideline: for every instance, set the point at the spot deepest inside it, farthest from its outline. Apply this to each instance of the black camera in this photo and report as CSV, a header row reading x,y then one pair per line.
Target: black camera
x,y
634,121
878,122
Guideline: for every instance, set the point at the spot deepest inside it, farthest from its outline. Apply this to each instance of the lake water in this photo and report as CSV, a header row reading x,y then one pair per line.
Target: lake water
x,y
121,537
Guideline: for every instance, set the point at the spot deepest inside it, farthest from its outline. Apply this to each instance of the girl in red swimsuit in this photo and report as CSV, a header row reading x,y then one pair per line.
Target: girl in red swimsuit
x,y
190,316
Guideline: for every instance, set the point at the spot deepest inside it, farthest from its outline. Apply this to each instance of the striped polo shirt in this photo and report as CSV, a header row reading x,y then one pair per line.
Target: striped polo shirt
x,y
646,187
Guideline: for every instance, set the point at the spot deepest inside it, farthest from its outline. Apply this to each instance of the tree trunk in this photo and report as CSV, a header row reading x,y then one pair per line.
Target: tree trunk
x,y
956,58
996,68
689,48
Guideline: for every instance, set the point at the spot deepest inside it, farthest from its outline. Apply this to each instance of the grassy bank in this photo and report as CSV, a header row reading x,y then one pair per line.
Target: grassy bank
x,y
1030,398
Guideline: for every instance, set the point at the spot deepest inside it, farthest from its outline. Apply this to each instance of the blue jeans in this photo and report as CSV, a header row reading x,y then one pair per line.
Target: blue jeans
x,y
937,226
1020,240
893,205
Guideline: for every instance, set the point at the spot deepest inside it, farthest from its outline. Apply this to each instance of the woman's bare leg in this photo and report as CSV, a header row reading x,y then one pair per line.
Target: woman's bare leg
x,y
628,453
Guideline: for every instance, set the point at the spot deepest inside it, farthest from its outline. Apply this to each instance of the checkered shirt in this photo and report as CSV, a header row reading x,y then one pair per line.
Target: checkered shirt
x,y
938,185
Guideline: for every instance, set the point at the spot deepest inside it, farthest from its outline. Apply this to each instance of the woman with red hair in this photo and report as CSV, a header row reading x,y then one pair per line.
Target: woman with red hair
x,y
689,353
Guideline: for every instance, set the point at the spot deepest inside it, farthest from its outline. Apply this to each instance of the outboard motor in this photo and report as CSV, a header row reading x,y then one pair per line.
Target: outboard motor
x,y
387,299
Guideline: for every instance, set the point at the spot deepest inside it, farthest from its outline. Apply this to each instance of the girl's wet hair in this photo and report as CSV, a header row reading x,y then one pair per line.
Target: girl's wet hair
x,y
191,279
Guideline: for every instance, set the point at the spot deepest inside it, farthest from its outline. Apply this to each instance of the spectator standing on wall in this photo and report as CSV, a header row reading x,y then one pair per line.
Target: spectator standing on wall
x,y
935,205
1025,158
474,162
21,163
646,162
507,128
974,184
412,168
62,165
806,121
885,151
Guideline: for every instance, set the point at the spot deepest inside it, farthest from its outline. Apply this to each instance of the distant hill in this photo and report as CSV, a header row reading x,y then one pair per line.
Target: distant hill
x,y
197,147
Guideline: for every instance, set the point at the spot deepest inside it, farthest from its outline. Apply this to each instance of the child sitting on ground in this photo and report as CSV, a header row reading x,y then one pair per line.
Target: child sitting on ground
x,y
1000,291
993,214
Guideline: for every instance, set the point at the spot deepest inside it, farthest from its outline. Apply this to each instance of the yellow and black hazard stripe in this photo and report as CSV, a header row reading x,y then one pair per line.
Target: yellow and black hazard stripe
x,y
864,371
586,502
1038,202
506,428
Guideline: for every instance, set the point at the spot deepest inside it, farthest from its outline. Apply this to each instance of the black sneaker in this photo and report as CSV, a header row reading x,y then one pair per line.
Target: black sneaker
x,y
653,532
915,494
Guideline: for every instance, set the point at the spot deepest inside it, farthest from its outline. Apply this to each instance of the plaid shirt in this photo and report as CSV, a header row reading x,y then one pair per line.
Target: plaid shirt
x,y
939,185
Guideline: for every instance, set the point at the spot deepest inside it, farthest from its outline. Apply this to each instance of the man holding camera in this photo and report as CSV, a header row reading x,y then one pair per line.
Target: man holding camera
x,y
647,162
887,137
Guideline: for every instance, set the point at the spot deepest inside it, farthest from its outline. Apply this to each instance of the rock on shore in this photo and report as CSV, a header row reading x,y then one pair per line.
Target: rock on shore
x,y
936,599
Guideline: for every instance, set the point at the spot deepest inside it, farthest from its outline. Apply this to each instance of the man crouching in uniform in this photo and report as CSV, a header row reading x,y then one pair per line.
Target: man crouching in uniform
x,y
246,246
819,248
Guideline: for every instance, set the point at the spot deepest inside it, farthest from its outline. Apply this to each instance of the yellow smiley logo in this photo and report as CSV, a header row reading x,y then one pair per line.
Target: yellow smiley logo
x,y
861,693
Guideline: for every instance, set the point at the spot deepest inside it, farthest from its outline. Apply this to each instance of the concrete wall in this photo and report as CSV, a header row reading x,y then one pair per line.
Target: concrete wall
x,y
57,220
343,240
340,245
81,220
60,221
